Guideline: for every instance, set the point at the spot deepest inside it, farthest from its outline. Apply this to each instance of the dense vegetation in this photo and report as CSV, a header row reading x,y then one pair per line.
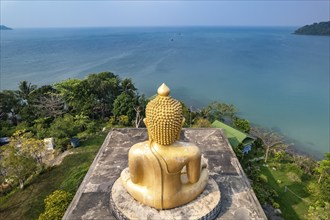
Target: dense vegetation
x,y
322,28
28,203
32,187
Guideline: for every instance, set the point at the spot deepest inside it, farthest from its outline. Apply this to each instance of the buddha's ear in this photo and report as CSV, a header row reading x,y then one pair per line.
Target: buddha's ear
x,y
145,122
183,121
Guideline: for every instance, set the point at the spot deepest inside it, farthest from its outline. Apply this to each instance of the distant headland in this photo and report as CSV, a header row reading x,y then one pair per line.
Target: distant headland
x,y
322,28
3,27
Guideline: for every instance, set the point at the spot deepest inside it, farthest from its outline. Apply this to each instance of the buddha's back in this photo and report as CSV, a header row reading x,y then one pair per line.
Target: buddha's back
x,y
156,176
145,175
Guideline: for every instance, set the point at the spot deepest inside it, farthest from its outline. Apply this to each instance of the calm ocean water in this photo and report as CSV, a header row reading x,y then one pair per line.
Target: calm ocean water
x,y
276,79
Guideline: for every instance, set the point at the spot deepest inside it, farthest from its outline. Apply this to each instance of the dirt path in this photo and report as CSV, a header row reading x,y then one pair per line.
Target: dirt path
x,y
58,160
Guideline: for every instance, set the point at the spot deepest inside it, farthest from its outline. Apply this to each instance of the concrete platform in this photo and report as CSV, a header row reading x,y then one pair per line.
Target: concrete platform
x,y
92,200
206,206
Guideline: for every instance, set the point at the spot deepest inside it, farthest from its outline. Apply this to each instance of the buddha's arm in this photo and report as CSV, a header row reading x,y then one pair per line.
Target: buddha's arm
x,y
134,167
203,163
193,169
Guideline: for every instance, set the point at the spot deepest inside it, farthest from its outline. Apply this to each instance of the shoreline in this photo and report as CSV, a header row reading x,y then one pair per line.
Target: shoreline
x,y
293,151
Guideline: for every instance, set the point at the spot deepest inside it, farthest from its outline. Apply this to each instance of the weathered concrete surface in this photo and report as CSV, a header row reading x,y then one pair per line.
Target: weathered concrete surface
x,y
206,205
92,200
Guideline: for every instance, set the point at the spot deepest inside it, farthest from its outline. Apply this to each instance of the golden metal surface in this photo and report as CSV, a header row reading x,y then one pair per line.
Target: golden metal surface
x,y
163,172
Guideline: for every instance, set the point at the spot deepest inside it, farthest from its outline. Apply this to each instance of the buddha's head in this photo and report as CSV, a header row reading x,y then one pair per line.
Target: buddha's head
x,y
164,117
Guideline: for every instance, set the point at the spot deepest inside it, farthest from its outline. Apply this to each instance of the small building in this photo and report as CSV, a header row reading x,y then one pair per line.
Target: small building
x,y
49,143
235,137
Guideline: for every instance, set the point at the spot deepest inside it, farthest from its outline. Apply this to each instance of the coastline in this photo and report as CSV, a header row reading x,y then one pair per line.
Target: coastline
x,y
294,151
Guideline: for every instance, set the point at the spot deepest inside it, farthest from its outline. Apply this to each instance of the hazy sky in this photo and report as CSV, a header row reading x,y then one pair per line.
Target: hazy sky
x,y
162,13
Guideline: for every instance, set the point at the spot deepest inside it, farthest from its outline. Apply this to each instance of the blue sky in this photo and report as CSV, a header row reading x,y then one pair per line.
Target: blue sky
x,y
162,13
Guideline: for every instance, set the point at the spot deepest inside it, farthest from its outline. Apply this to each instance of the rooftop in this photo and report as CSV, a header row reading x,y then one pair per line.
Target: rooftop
x,y
234,136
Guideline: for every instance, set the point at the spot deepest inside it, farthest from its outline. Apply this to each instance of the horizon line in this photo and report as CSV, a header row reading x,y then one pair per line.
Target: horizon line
x,y
150,26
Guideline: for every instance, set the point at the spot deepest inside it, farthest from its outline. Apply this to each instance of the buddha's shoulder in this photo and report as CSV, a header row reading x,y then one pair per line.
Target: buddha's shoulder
x,y
189,145
140,146
184,143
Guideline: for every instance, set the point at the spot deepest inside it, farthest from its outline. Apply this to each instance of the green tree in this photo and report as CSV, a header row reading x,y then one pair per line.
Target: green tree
x,y
104,89
10,105
187,115
26,112
56,205
16,165
128,86
220,111
93,96
242,124
33,147
125,104
29,111
82,122
62,129
6,128
41,91
75,94
324,168
41,126
320,189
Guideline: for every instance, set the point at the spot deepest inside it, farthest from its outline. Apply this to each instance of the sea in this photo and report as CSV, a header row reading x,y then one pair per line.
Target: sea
x,y
274,78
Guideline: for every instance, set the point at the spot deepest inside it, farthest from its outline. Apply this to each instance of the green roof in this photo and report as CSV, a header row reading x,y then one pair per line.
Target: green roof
x,y
235,137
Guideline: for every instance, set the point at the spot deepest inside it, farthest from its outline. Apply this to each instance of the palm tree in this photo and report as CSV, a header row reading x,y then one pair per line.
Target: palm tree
x,y
25,89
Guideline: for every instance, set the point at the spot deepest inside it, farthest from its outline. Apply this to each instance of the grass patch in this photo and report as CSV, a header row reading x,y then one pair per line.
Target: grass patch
x,y
294,201
29,202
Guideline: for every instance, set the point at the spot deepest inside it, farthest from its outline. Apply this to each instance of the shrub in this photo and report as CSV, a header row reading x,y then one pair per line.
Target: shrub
x,y
62,143
6,129
56,205
62,129
278,156
264,193
263,178
242,124
23,126
276,205
123,120
201,123
319,210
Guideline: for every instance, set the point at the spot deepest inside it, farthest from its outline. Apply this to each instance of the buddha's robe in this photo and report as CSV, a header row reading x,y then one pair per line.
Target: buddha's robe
x,y
164,177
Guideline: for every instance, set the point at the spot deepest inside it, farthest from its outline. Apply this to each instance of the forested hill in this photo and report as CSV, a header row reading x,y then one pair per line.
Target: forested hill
x,y
322,28
3,27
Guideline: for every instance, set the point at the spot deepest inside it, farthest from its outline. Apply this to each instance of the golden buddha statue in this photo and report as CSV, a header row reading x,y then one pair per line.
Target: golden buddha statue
x,y
163,172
